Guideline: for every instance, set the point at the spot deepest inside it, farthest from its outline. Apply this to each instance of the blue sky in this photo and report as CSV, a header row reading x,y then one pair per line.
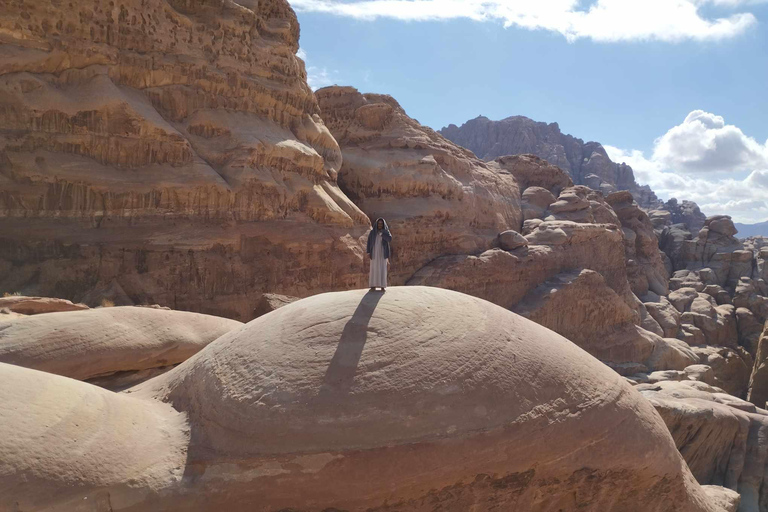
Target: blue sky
x,y
627,73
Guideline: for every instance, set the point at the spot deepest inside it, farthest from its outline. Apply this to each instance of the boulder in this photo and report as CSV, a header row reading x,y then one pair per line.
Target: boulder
x,y
667,316
532,171
731,368
270,302
535,201
415,396
511,240
104,341
580,306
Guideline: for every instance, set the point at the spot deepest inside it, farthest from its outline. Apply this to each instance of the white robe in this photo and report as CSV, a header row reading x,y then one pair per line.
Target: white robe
x,y
378,275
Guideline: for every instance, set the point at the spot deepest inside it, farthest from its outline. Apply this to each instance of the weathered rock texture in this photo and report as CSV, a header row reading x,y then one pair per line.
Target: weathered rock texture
x,y
36,305
68,445
722,438
413,398
436,196
108,341
586,163
171,147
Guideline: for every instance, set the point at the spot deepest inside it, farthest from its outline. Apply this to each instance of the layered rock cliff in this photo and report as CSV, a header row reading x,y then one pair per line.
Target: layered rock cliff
x,y
438,197
170,150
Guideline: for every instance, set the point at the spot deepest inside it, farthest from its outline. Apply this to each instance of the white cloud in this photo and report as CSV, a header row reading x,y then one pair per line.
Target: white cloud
x,y
604,20
703,143
706,161
319,77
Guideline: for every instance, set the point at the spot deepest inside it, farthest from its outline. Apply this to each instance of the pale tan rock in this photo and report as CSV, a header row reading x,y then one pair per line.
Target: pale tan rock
x,y
580,306
700,372
532,171
504,278
722,441
648,272
667,316
68,445
726,499
682,298
437,385
749,328
438,198
758,381
670,354
535,201
103,341
511,240
36,305
731,367
270,302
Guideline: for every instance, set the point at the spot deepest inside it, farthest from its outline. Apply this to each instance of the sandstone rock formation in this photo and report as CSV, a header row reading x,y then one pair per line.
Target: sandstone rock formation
x,y
586,163
270,302
68,445
172,147
36,305
645,268
411,398
437,197
109,342
722,438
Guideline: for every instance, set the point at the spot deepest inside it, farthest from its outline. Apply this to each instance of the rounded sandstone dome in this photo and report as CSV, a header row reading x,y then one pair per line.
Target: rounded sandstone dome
x,y
417,396
95,342
71,446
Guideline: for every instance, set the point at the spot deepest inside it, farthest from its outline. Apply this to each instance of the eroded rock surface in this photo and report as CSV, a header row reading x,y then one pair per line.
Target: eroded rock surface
x,y
171,147
106,341
405,388
439,198
68,445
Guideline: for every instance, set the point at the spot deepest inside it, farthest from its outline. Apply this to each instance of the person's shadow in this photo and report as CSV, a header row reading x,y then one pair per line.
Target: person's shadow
x,y
340,375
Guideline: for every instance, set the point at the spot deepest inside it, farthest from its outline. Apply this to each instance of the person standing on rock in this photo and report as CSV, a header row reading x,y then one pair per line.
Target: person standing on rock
x,y
379,249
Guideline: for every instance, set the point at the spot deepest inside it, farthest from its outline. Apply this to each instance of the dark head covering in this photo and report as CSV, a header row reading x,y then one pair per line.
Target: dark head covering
x,y
386,238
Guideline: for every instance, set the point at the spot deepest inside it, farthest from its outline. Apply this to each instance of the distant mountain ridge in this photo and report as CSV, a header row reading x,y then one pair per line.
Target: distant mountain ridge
x,y
748,230
586,163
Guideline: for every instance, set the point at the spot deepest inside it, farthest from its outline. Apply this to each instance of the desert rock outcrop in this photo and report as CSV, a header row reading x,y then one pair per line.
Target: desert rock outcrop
x,y
436,196
68,445
106,341
172,147
387,392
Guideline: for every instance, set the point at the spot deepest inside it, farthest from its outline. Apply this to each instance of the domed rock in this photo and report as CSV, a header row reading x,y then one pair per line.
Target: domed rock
x,y
98,342
68,445
414,399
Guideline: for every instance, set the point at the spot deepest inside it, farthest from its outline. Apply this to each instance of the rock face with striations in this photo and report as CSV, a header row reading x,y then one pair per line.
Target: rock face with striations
x,y
122,343
412,399
586,163
436,196
172,147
